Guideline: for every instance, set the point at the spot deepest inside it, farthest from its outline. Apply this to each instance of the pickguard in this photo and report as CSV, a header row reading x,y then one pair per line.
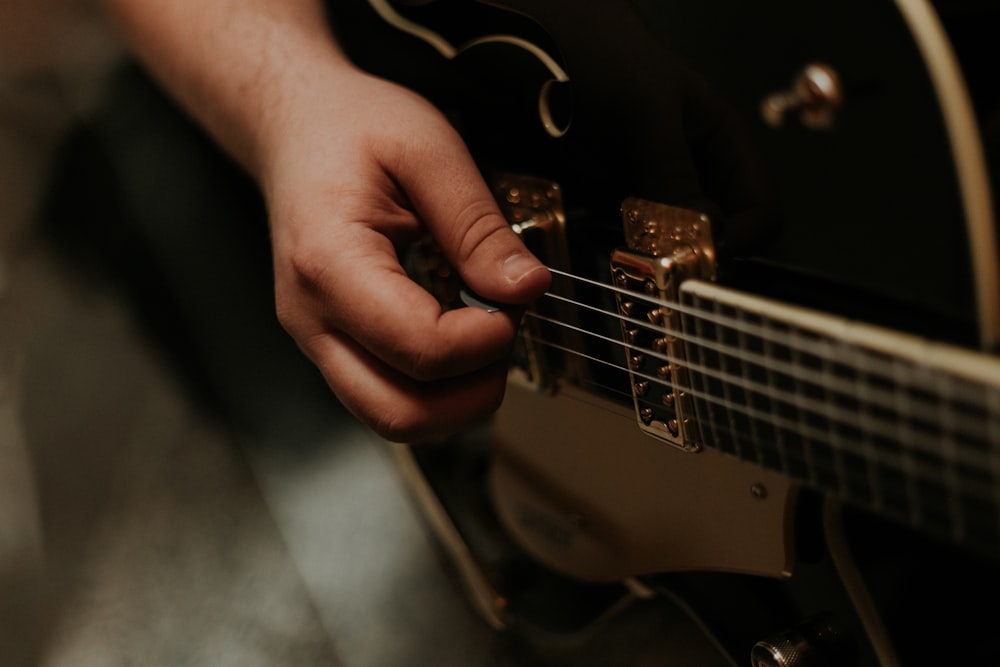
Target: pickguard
x,y
630,504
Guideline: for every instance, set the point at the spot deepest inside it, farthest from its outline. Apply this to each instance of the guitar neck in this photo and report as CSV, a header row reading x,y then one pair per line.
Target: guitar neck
x,y
886,421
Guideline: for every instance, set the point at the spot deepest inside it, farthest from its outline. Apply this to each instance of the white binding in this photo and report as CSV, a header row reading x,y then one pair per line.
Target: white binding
x,y
968,364
970,162
449,51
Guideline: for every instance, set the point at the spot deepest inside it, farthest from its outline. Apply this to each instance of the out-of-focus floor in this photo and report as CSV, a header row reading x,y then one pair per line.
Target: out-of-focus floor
x,y
177,487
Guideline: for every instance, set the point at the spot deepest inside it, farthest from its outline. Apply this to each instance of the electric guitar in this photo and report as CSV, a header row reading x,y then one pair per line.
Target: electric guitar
x,y
775,304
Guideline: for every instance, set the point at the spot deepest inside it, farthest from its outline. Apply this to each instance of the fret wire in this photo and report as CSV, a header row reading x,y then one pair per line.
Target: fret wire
x,y
754,435
713,420
905,431
727,393
993,428
949,451
823,380
919,440
865,420
807,445
717,408
826,373
807,457
769,351
838,458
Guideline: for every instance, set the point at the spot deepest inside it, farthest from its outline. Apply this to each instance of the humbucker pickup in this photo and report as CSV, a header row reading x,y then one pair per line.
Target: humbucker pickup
x,y
665,246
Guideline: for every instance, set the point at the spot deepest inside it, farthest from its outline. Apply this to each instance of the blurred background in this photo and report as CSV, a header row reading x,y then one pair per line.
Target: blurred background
x,y
177,484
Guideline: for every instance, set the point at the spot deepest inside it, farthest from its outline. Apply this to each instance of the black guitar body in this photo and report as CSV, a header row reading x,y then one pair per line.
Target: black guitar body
x,y
664,101
864,213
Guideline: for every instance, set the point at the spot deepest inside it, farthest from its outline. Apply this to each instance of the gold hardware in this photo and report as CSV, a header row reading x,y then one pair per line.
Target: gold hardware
x,y
666,246
533,207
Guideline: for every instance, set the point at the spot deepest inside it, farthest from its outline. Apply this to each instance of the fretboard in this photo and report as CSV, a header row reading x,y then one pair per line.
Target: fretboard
x,y
890,422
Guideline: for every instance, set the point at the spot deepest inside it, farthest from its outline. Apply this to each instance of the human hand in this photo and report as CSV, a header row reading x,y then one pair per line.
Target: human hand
x,y
359,169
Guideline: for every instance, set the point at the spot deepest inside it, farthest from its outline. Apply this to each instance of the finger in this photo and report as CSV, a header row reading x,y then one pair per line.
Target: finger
x,y
397,407
366,294
456,205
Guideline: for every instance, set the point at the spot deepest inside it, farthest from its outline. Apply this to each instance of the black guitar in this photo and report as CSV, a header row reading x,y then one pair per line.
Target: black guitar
x,y
769,341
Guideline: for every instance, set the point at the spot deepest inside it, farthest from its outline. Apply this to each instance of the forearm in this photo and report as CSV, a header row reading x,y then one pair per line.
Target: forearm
x,y
237,66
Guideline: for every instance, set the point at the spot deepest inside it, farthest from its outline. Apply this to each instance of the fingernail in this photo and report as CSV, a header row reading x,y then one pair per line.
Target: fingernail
x,y
517,266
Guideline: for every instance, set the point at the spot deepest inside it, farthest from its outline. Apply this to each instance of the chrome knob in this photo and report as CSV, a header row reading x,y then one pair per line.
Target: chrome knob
x,y
818,642
816,95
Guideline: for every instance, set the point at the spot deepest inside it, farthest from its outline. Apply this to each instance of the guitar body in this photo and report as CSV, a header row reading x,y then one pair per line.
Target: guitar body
x,y
841,152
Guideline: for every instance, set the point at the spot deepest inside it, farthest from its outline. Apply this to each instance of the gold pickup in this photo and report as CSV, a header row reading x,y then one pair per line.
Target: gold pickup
x,y
666,245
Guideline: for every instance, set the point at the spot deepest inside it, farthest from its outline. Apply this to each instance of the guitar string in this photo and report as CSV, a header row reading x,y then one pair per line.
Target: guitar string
x,y
739,325
837,416
975,398
830,384
885,400
889,402
888,428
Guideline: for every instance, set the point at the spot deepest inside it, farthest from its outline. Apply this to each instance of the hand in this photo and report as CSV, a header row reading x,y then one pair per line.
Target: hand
x,y
359,169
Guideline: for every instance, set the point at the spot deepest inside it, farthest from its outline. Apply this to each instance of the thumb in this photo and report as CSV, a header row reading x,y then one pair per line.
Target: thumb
x,y
455,204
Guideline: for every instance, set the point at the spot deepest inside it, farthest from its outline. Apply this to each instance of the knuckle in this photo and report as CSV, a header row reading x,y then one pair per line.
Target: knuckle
x,y
285,313
427,362
288,310
479,224
296,288
310,265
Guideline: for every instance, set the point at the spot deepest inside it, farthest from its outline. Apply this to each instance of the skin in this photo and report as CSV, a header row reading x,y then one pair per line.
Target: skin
x,y
353,168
